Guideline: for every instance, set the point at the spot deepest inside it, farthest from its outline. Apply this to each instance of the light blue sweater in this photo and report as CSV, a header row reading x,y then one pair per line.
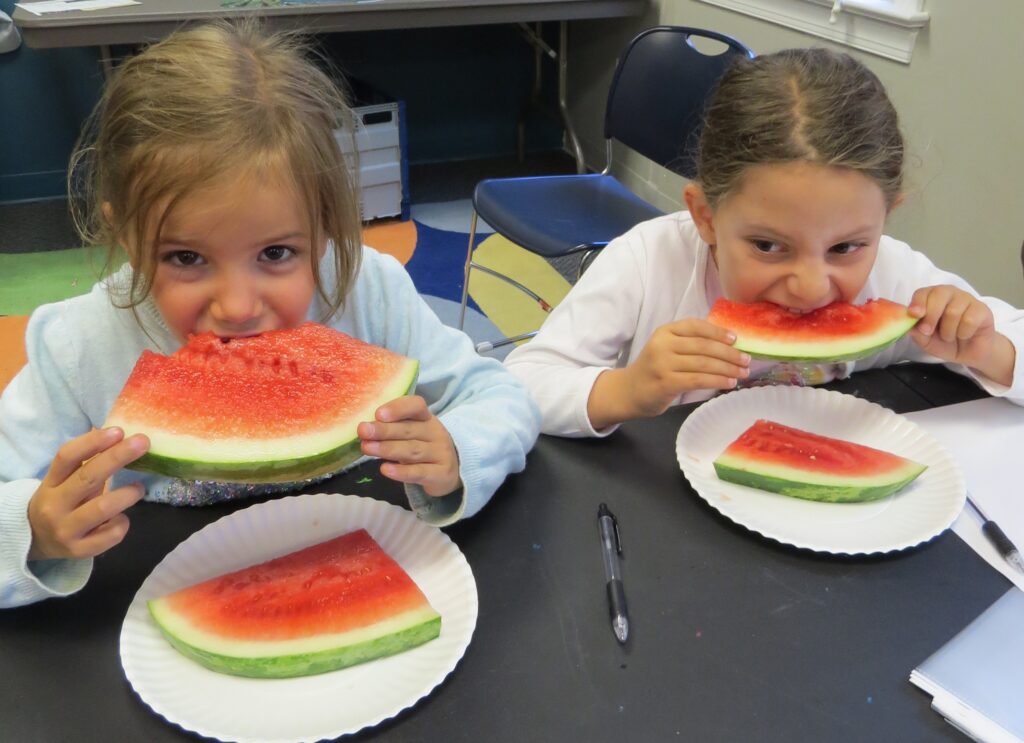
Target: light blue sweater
x,y
81,351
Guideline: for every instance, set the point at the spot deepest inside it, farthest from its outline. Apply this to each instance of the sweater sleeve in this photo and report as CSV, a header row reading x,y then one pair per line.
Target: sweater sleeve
x,y
588,333
898,273
492,421
38,413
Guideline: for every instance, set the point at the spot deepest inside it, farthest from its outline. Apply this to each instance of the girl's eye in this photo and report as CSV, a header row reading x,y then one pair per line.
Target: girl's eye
x,y
183,258
277,253
845,248
766,246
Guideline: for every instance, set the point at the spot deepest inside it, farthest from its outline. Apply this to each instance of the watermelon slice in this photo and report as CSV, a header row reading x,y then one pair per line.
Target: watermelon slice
x,y
780,459
325,607
836,332
277,407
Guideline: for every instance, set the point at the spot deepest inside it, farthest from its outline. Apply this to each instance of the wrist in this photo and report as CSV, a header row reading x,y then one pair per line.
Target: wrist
x,y
1001,362
611,399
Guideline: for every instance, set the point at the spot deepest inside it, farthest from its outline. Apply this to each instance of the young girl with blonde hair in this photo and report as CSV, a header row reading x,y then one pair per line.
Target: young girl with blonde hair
x,y
212,165
800,162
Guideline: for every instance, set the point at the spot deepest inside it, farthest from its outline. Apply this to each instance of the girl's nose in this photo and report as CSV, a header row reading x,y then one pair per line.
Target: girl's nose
x,y
810,285
235,303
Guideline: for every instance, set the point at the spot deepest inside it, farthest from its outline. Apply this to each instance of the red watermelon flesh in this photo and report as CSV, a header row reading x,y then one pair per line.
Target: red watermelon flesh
x,y
781,459
836,332
328,606
269,408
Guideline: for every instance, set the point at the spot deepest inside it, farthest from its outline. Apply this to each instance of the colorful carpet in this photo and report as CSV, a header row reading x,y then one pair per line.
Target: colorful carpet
x,y
431,245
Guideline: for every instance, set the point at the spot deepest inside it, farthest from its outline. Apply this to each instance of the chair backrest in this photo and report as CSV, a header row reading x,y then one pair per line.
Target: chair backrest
x,y
657,96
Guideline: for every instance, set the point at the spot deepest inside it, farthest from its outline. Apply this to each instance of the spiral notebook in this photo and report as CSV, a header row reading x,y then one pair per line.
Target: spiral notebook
x,y
976,679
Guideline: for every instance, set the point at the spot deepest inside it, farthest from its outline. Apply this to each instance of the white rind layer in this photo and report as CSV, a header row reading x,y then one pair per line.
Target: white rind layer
x,y
825,349
793,474
181,628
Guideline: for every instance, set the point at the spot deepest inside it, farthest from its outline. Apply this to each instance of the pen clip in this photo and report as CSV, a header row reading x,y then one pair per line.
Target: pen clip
x,y
604,513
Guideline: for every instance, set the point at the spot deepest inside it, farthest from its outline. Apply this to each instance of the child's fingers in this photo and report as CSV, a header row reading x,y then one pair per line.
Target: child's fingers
x,y
410,407
693,328
692,347
436,480
70,456
701,363
108,534
108,506
974,319
404,450
401,431
417,474
91,477
711,382
930,304
948,326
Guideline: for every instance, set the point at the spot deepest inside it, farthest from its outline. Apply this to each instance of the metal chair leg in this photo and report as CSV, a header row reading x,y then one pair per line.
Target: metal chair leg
x,y
585,262
509,280
485,346
465,275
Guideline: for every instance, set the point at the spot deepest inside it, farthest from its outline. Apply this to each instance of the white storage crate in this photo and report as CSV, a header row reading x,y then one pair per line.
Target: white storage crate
x,y
383,174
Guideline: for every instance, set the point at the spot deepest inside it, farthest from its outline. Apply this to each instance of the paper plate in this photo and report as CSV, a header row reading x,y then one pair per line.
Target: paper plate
x,y
311,708
921,511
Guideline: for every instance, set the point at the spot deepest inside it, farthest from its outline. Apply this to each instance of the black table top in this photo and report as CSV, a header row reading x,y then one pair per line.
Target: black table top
x,y
733,637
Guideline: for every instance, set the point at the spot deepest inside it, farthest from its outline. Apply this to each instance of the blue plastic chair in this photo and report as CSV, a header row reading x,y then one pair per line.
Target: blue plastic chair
x,y
655,106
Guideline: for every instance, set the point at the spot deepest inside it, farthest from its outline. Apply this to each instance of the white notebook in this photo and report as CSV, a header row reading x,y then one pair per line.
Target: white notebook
x,y
977,678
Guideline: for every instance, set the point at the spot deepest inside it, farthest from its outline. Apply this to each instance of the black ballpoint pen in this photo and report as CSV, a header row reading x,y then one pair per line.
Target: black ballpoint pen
x,y
611,549
999,539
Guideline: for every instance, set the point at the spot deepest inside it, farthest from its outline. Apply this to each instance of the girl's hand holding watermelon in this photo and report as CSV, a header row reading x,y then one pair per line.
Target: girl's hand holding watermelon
x,y
680,356
73,514
959,328
415,445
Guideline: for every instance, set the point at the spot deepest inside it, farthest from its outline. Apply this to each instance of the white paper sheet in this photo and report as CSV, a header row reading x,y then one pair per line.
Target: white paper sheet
x,y
64,6
986,438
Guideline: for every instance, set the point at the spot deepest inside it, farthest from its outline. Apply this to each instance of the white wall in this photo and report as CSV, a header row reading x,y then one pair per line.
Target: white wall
x,y
961,103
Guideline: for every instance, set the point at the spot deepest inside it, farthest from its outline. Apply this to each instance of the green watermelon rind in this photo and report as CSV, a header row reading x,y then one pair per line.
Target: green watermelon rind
x,y
291,469
308,663
284,470
868,489
831,350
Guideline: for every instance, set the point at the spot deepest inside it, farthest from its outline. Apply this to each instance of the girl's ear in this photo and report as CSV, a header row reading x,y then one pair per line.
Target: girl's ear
x,y
108,215
701,212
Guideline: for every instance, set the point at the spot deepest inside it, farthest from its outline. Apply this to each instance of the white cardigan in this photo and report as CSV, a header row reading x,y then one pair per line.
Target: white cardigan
x,y
659,272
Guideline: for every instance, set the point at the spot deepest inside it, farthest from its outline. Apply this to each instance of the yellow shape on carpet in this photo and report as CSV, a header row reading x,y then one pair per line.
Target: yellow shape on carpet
x,y
504,305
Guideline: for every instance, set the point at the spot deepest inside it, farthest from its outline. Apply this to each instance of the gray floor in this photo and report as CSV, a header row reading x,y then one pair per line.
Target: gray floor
x,y
449,181
31,227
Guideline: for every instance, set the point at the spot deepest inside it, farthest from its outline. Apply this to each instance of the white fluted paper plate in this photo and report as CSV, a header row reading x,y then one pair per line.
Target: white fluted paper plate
x,y
232,708
921,511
